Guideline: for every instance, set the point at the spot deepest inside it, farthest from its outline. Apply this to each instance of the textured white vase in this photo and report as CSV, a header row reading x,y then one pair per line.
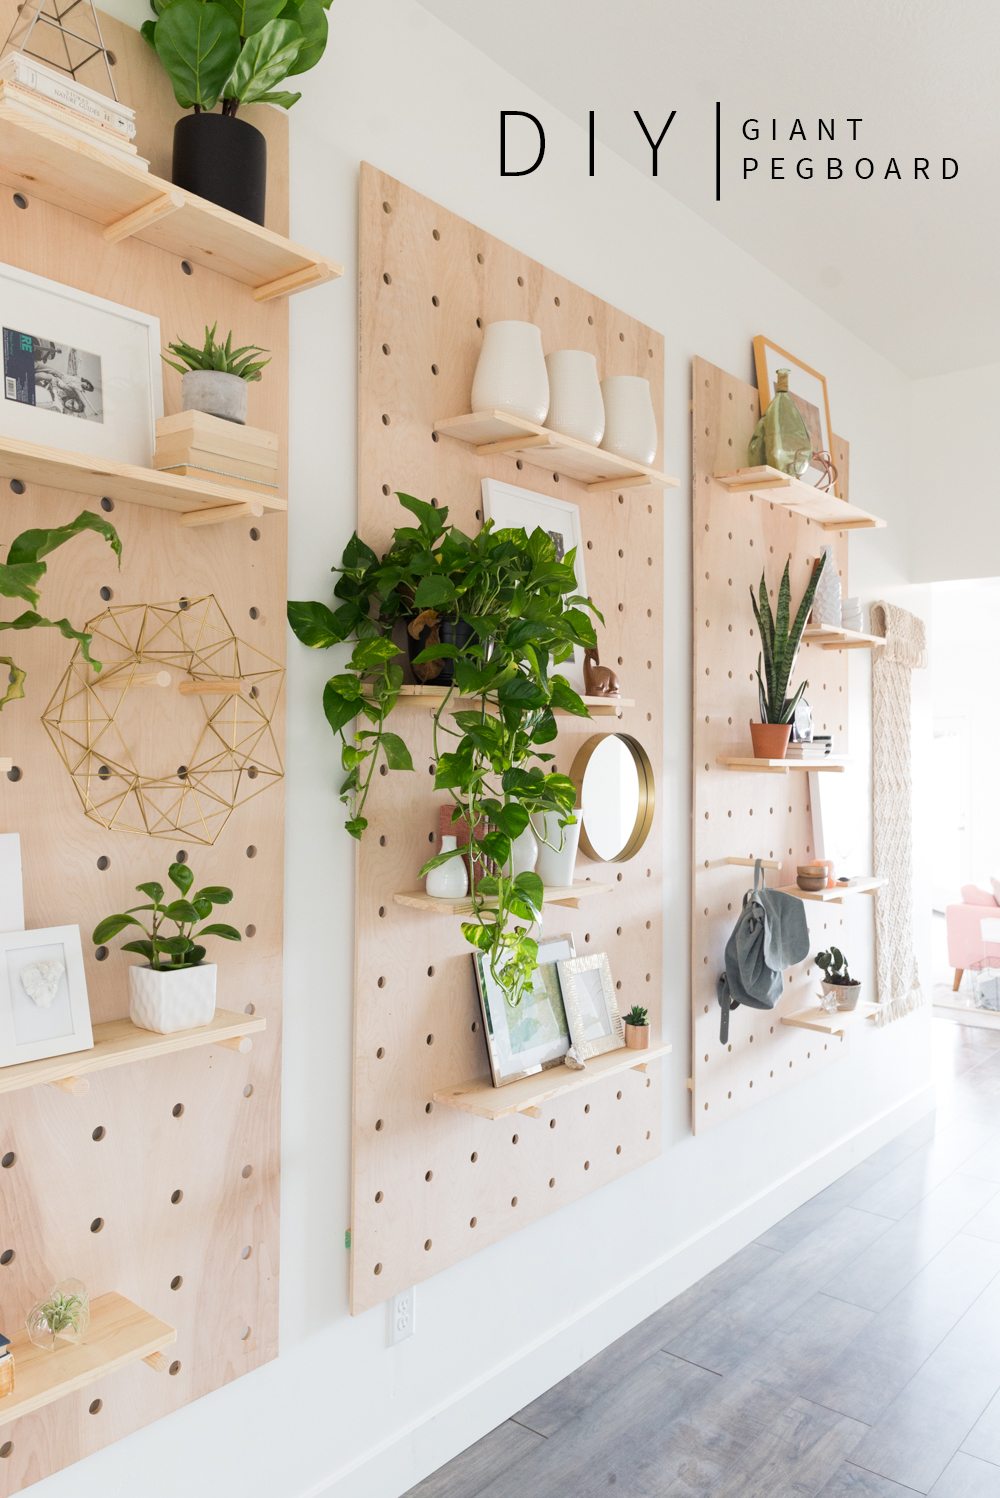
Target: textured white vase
x,y
827,600
511,374
557,848
449,881
629,418
166,1001
523,853
576,405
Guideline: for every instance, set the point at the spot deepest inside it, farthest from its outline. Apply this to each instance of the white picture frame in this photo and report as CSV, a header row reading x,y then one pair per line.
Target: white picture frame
x,y
530,1037
77,372
44,1010
595,1022
513,508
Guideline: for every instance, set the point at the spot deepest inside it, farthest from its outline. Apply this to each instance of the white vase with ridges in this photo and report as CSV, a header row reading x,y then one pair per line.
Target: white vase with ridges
x,y
827,600
629,418
170,999
576,405
511,374
557,849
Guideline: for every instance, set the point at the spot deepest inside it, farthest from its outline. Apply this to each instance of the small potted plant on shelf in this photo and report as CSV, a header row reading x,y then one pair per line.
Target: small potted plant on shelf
x,y
175,990
779,645
839,988
637,1028
64,1315
214,378
236,53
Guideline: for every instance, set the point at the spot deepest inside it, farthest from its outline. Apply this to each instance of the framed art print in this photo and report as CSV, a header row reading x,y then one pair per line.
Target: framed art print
x,y
511,508
79,373
533,1035
806,386
595,1024
44,1009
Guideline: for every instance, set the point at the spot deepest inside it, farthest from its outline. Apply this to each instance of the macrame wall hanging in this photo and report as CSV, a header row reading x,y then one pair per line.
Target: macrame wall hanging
x,y
892,807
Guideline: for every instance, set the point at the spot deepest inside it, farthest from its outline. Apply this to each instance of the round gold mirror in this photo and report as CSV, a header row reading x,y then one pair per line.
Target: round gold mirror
x,y
616,794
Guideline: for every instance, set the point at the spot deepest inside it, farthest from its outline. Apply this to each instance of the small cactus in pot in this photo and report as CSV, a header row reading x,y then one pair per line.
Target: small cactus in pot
x,y
637,1028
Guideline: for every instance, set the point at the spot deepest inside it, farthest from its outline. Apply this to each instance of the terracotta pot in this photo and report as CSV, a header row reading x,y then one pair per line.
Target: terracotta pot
x,y
770,740
637,1037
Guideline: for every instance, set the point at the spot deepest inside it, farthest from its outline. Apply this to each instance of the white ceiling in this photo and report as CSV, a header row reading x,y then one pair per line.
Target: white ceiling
x,y
913,268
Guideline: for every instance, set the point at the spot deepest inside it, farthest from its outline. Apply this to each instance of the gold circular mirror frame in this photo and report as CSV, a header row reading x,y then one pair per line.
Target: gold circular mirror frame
x,y
646,790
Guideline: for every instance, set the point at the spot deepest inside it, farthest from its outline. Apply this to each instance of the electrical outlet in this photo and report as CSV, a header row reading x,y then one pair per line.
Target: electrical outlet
x,y
402,1311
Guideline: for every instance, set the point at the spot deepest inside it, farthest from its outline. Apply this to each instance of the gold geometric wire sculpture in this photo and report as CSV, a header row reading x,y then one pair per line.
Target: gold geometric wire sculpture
x,y
38,24
235,755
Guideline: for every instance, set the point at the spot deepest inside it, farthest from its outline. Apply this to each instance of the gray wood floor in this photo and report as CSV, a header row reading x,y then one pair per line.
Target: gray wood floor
x,y
851,1352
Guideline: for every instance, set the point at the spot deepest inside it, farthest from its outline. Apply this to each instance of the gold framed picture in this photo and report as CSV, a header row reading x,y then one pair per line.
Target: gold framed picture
x,y
806,386
595,1024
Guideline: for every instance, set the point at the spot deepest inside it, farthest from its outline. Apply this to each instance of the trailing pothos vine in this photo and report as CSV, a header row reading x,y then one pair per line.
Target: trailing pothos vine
x,y
521,617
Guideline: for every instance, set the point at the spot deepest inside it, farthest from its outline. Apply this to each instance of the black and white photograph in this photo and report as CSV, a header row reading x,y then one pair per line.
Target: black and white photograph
x,y
52,376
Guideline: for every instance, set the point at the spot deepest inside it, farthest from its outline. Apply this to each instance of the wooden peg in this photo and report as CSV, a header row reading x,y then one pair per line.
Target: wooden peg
x,y
641,1066
512,445
145,679
213,688
216,514
76,1086
532,1112
157,1361
240,1043
142,218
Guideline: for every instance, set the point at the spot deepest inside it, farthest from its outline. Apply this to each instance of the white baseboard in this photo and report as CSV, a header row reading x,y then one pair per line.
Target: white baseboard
x,y
409,1454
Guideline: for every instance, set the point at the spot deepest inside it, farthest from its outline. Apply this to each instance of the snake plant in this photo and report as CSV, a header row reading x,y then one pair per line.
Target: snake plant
x,y
779,644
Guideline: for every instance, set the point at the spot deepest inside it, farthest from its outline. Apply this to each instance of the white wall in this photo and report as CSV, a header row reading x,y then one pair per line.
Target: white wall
x,y
953,421
399,90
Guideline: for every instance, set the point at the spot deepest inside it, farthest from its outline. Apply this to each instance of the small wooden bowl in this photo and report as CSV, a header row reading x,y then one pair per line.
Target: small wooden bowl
x,y
810,882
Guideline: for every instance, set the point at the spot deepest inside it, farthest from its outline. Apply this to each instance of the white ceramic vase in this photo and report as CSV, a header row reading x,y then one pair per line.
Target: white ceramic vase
x,y
629,418
449,881
557,848
511,374
827,600
576,405
168,1000
523,853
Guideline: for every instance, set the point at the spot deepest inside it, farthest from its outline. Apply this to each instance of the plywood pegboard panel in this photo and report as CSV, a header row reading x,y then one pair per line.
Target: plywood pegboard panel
x,y
432,1185
743,814
161,1182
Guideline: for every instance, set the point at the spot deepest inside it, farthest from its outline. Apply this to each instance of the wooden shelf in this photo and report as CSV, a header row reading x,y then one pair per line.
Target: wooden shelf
x,y
431,696
777,488
119,1333
417,899
828,637
828,1024
529,1095
40,161
495,432
118,1042
197,501
780,766
835,896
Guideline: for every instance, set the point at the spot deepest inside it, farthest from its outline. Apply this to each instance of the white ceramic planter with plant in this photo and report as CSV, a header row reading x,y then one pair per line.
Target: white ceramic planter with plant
x,y
175,990
215,378
840,990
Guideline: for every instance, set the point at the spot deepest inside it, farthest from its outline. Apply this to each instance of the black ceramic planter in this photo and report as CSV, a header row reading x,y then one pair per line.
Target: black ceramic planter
x,y
224,160
445,632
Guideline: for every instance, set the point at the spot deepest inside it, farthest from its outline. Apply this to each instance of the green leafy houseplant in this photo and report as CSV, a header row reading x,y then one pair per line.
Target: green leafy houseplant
x,y
833,965
20,576
637,1016
522,615
779,645
63,1313
221,358
183,948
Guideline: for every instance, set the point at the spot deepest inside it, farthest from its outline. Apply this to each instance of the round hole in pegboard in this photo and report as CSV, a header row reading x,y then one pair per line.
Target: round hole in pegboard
x,y
473,1221
182,772
18,198
513,1201
246,1334
586,1164
251,851
552,1123
176,1196
473,1157
474,1026
16,486
177,1111
435,233
177,1282
515,1139
435,301
556,301
7,1257
181,856
380,1053
99,1133
480,258
107,505
386,278
187,268
586,1107
247,1172
175,1368
618,1149
590,319
479,322
254,611
104,862
6,1449
252,772
246,1251
106,594
430,1040
103,772
97,1226
96,1406
380,1125
254,533
377,1269
386,207
428,1107
101,954
8,1160
435,370
248,1090
380,982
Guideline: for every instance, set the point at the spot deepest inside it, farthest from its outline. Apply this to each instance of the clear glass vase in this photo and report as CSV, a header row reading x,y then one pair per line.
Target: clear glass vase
x,y
786,437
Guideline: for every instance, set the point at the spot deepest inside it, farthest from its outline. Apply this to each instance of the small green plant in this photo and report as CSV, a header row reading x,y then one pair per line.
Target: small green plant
x,y
183,949
63,1313
220,357
779,645
834,966
637,1015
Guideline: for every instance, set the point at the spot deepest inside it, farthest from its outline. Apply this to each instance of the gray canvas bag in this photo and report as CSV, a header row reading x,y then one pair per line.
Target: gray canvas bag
x,y
771,933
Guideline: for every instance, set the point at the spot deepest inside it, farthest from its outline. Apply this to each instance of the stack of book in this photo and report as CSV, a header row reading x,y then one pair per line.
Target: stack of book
x,y
33,90
6,1367
195,445
818,747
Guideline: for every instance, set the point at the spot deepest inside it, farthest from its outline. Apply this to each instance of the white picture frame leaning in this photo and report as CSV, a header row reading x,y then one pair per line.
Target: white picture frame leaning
x,y
44,1010
513,508
529,1038
595,1022
77,372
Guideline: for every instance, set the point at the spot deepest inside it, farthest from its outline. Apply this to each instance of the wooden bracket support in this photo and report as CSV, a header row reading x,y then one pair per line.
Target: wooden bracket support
x,y
76,1086
217,514
532,1112
626,481
243,1044
512,445
141,218
296,280
157,1361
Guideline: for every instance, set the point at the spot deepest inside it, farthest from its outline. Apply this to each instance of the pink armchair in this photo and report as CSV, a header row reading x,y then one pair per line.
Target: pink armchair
x,y
967,943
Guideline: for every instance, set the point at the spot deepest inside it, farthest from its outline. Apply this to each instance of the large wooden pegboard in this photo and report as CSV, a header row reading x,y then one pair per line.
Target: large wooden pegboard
x,y
204,1123
432,1185
740,814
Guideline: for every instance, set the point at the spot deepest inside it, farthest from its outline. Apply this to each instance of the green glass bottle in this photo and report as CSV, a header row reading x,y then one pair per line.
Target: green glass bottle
x,y
786,437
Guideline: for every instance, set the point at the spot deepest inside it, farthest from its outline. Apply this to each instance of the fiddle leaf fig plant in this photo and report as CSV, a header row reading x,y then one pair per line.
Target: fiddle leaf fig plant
x,y
20,576
238,51
521,616
779,644
182,949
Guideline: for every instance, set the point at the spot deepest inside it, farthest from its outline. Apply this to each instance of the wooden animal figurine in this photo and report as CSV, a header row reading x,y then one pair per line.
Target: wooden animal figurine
x,y
598,680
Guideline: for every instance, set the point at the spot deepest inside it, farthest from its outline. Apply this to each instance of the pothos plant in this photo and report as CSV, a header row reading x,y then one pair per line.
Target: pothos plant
x,y
20,576
524,617
182,948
